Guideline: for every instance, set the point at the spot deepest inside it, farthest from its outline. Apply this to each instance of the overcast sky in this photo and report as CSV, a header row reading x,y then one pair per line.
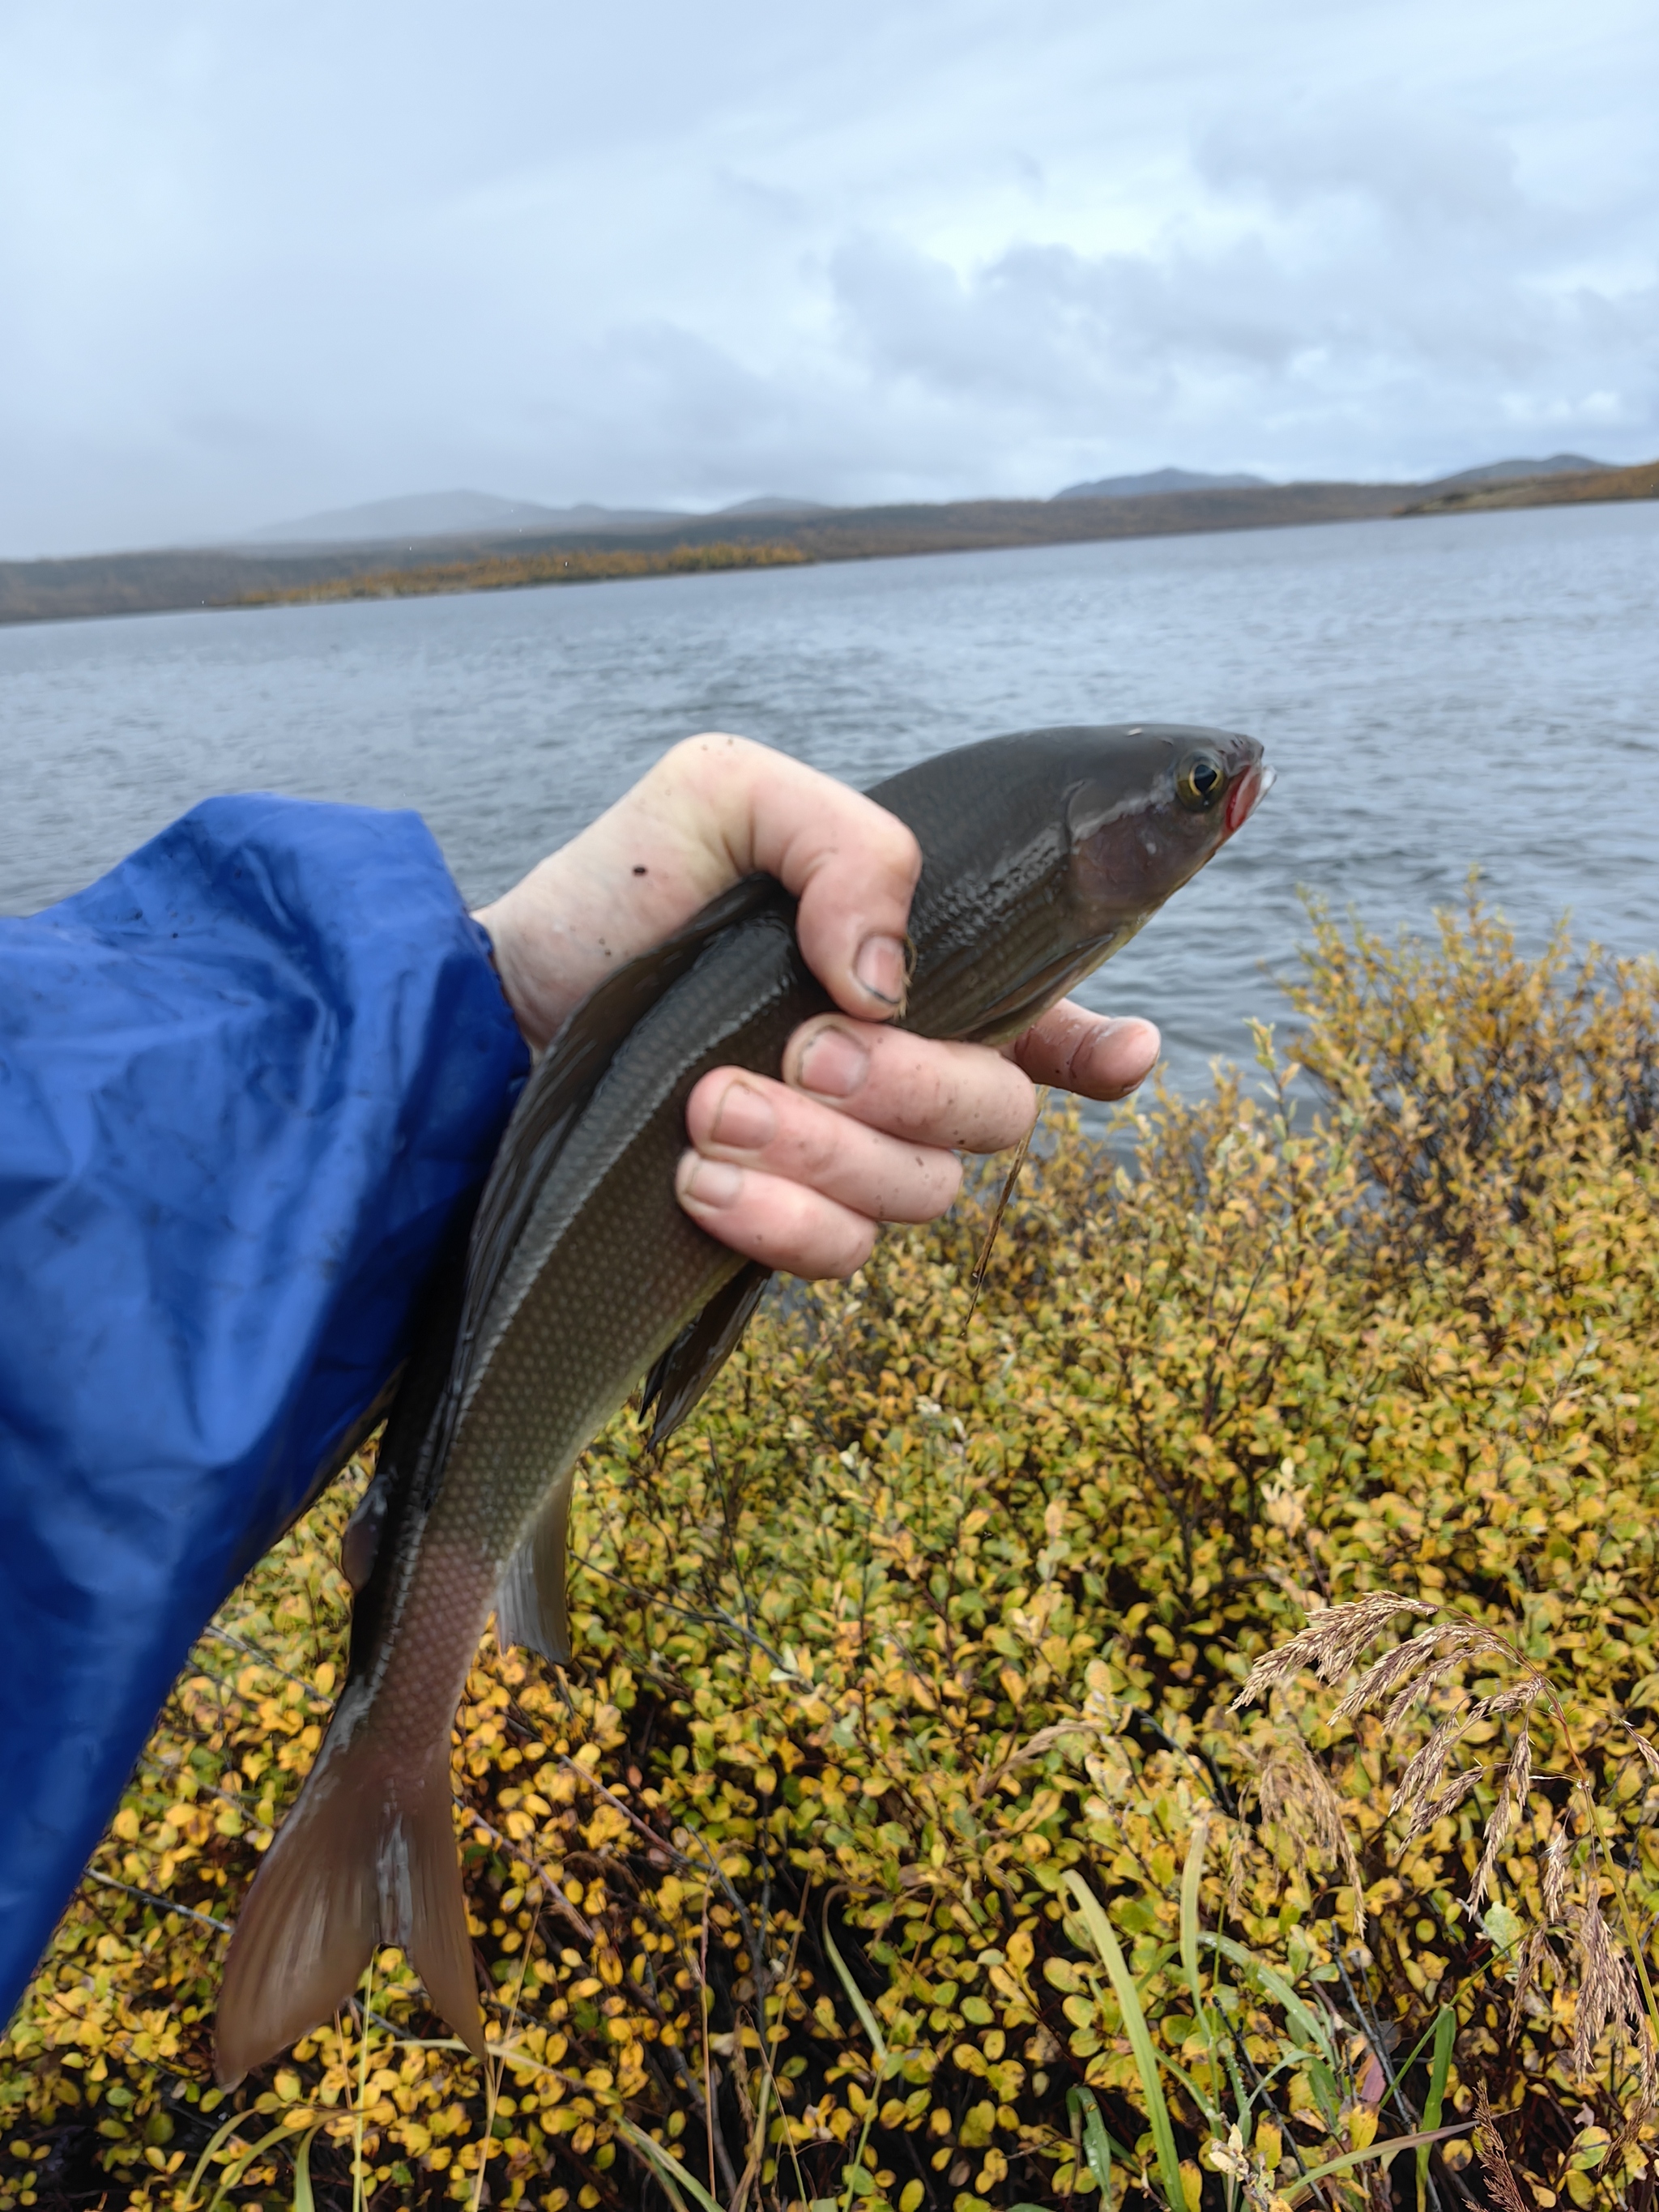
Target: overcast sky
x,y
261,258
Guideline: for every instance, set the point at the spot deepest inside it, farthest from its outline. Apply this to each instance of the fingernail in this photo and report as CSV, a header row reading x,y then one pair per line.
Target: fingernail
x,y
833,1064
1124,1030
712,1182
743,1118
880,967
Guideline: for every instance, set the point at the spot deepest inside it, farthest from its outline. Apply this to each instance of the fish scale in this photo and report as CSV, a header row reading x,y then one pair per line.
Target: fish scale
x,y
1041,855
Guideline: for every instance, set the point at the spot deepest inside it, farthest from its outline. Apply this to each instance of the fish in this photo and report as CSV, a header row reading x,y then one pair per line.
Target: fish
x,y
1042,853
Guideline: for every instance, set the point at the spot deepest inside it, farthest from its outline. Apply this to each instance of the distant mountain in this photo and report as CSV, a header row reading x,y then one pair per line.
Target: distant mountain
x,y
1156,481
777,507
442,515
1559,465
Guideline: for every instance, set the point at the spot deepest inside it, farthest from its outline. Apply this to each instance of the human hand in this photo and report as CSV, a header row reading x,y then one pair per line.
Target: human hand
x,y
866,1124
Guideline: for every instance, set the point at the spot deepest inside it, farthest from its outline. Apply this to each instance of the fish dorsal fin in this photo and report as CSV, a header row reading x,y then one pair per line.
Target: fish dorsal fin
x,y
567,1075
560,1086
701,1350
529,1603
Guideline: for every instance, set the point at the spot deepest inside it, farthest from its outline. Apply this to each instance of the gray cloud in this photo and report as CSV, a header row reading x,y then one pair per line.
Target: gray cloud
x,y
259,261
1340,290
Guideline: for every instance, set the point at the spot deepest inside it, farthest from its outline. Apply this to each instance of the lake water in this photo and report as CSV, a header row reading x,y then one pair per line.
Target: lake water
x,y
1436,694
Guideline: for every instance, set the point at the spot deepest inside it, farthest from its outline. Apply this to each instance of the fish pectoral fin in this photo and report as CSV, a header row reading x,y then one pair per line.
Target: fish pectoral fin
x,y
701,1350
529,1602
367,1855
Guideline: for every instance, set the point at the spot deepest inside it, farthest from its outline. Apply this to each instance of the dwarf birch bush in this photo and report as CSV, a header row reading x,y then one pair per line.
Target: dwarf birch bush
x,y
1264,1569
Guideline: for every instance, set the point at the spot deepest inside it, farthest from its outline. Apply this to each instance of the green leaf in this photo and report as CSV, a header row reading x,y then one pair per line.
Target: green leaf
x,y
1140,2042
1324,2089
1445,2032
1505,1928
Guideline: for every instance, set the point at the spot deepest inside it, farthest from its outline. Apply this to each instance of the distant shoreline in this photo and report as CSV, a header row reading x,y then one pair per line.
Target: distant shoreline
x,y
503,573
99,586
1593,488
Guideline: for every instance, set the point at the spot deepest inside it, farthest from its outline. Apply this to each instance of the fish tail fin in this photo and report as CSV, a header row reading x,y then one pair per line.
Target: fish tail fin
x,y
431,1917
367,1855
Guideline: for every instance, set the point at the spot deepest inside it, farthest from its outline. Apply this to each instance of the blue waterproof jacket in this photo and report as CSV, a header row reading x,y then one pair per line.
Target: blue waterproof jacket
x,y
247,1083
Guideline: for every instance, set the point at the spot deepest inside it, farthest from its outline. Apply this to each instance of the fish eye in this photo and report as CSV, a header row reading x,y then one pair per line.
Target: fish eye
x,y
1199,780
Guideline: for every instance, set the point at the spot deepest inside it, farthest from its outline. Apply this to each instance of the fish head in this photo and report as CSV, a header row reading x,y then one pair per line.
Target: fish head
x,y
1146,812
1045,851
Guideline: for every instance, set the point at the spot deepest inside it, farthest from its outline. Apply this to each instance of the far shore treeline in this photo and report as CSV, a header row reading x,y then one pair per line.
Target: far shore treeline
x,y
226,576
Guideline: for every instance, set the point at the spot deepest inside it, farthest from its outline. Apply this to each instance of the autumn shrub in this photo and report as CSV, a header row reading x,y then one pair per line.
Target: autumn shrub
x,y
916,1662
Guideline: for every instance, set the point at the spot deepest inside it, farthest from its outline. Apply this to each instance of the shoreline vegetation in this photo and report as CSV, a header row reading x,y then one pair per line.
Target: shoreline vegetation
x,y
228,577
1175,1735
1594,487
501,572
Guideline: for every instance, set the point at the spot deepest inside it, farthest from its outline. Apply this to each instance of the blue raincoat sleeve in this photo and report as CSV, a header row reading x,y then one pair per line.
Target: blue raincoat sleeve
x,y
247,1082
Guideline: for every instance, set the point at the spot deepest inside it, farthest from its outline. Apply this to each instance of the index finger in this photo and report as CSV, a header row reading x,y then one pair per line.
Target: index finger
x,y
712,809
851,865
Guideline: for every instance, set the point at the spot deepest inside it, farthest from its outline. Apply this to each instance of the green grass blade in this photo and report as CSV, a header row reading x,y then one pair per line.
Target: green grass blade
x,y
1306,2023
1417,2050
1209,2109
1445,2033
303,2199
1140,2040
1305,2182
672,2173
1097,2144
229,2127
238,2166
1243,2102
1192,1877
855,1996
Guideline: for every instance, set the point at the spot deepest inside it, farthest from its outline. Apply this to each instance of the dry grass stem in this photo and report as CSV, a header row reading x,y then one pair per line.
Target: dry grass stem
x,y
1505,1814
1558,1857
1328,1645
1494,2159
1295,1796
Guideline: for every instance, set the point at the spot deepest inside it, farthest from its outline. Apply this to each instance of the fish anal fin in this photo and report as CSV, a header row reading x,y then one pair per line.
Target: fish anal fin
x,y
529,1602
361,1540
367,1855
699,1351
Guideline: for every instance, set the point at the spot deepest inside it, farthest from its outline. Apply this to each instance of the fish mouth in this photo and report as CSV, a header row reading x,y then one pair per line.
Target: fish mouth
x,y
1246,795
